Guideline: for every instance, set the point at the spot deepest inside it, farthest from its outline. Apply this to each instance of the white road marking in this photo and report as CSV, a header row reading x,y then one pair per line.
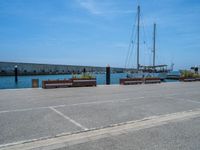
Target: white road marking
x,y
69,119
77,104
100,102
95,134
183,99
92,103
22,110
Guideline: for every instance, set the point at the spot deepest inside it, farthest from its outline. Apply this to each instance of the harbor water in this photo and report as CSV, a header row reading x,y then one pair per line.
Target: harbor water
x,y
8,82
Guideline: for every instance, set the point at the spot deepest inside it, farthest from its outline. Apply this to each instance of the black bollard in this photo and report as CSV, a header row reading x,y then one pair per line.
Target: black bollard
x,y
16,74
108,75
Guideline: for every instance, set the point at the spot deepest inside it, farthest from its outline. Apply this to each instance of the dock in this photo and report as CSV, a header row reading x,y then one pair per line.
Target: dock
x,y
113,117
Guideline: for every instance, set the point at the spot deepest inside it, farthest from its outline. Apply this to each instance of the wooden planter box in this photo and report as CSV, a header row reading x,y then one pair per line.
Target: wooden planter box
x,y
68,83
48,84
82,82
152,80
187,79
131,81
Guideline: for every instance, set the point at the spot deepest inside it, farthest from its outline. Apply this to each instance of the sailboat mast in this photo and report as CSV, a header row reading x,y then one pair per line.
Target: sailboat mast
x,y
138,40
154,44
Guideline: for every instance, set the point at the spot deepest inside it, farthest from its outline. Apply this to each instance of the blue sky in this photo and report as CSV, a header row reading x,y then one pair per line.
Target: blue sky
x,y
97,32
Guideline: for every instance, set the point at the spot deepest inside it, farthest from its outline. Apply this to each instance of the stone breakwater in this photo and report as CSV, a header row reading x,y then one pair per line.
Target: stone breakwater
x,y
7,69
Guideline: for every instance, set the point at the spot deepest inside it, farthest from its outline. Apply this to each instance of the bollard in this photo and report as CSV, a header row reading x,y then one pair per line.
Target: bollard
x,y
16,74
108,75
35,83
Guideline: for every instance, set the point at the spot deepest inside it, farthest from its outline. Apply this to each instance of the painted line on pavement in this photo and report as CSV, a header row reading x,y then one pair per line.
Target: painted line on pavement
x,y
183,99
76,104
91,103
22,110
99,133
68,118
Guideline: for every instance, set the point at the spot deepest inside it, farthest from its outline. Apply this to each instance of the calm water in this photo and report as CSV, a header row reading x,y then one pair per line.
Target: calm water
x,y
26,81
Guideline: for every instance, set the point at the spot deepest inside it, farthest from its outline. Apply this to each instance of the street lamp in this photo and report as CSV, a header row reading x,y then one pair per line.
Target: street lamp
x,y
16,73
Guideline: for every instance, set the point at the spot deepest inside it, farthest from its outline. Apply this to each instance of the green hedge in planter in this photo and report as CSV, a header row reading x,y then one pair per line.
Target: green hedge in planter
x,y
83,76
189,74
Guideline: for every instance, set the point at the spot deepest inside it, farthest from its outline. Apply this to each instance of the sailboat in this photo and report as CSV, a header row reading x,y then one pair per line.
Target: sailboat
x,y
143,70
144,74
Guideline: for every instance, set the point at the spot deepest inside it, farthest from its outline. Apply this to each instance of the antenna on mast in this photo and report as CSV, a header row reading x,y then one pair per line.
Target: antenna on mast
x,y
154,44
138,40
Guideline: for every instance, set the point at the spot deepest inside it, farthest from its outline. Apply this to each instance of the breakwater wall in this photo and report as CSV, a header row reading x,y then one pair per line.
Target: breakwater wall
x,y
7,69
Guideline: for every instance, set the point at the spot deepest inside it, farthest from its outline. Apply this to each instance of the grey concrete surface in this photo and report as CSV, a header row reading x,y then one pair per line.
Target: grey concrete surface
x,y
104,114
20,126
174,136
29,114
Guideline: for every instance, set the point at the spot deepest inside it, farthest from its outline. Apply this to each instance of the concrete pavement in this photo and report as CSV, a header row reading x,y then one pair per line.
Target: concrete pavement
x,y
29,115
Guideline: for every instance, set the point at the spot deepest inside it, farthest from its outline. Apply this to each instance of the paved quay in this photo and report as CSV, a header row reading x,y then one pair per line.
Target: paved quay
x,y
154,116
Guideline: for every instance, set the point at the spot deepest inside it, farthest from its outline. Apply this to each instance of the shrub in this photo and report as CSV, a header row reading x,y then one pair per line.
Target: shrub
x,y
86,76
83,76
189,74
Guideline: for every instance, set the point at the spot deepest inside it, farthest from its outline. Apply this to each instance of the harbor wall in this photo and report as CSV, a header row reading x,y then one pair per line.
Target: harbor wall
x,y
7,69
